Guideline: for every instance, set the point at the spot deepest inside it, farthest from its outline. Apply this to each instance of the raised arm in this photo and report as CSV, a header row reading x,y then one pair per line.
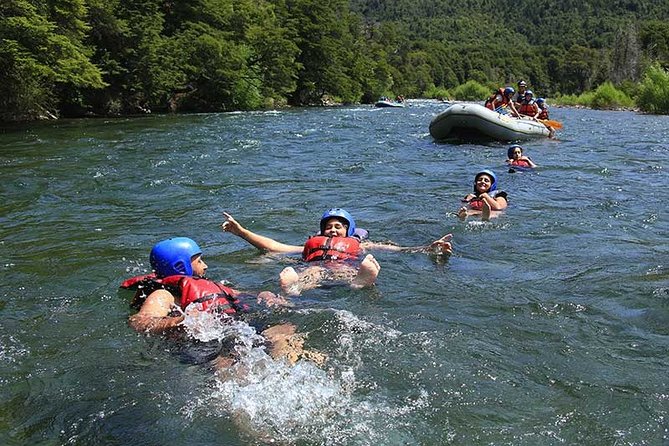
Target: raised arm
x,y
259,241
440,246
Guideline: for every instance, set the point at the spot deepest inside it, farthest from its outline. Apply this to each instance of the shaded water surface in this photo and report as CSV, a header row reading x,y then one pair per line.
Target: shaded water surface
x,y
549,325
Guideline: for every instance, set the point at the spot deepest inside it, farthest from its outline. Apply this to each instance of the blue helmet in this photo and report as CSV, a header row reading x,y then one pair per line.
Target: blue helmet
x,y
529,92
540,100
509,90
490,173
173,256
341,214
509,153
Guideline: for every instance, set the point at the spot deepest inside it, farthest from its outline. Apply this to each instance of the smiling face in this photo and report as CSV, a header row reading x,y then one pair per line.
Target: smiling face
x,y
335,227
482,183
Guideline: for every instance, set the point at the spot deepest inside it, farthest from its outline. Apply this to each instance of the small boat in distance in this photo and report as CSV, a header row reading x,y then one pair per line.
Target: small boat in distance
x,y
474,121
387,102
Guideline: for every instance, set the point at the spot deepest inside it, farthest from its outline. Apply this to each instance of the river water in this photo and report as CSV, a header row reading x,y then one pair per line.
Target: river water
x,y
548,325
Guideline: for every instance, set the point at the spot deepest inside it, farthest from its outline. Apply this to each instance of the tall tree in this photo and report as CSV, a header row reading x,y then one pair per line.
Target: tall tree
x,y
43,59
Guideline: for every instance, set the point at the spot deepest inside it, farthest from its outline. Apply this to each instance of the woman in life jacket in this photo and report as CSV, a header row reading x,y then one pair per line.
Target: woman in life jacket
x,y
501,101
178,287
515,157
333,253
486,200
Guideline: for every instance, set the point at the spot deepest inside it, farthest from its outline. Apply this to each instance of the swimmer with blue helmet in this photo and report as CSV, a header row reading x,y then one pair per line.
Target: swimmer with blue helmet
x,y
486,200
334,223
178,287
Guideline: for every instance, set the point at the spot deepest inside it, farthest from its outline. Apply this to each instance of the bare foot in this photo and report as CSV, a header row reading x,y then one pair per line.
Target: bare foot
x,y
270,299
288,280
285,343
369,270
462,213
485,213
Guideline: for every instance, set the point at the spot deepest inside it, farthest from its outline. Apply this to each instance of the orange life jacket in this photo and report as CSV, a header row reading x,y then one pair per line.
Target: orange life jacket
x,y
528,108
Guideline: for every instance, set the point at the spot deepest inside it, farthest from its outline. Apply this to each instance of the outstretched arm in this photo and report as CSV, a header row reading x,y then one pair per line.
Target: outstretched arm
x,y
440,246
514,112
259,241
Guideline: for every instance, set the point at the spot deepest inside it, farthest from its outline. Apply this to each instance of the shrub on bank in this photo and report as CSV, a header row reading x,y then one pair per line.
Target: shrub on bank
x,y
437,93
606,97
653,93
471,91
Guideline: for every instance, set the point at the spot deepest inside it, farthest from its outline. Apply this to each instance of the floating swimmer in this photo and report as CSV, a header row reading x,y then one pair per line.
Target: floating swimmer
x,y
517,161
486,200
337,247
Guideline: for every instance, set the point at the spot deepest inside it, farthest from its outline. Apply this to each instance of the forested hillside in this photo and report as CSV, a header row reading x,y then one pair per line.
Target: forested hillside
x,y
111,57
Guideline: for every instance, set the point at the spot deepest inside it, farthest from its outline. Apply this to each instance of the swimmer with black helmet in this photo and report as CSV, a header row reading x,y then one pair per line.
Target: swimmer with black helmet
x,y
338,243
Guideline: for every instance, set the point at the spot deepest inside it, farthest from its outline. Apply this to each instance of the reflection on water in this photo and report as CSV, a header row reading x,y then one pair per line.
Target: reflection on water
x,y
547,325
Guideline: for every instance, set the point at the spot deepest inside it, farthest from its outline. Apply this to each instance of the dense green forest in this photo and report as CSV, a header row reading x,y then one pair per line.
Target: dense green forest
x,y
115,57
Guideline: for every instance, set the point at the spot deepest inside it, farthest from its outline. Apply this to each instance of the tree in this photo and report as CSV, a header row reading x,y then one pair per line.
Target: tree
x,y
43,62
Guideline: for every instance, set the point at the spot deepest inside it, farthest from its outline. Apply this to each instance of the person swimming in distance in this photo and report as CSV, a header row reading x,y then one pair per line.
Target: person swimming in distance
x,y
515,158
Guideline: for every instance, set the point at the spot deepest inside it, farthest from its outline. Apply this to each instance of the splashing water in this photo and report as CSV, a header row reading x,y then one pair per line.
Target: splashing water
x,y
273,401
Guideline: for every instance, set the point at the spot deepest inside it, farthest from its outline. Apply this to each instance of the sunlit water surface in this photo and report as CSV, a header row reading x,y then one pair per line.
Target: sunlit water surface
x,y
549,325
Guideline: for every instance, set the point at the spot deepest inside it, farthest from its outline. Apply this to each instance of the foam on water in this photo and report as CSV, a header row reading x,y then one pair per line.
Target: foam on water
x,y
273,401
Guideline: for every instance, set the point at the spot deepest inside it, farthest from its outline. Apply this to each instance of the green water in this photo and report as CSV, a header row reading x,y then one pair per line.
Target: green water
x,y
549,325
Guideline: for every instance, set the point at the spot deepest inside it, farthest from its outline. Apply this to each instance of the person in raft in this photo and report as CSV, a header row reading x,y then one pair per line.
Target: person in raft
x,y
178,287
337,246
486,200
528,107
543,109
520,94
501,101
515,158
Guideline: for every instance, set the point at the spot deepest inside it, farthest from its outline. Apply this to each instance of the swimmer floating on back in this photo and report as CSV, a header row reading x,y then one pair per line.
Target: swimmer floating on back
x,y
486,200
337,246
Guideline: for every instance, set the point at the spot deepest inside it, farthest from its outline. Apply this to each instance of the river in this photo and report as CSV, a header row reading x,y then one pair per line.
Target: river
x,y
548,325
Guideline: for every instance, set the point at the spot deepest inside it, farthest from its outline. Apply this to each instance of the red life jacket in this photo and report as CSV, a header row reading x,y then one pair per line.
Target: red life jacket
x,y
528,108
520,163
320,247
476,203
210,295
543,114
489,103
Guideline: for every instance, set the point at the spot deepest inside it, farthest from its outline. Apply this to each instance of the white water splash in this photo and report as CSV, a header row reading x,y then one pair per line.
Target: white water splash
x,y
272,401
